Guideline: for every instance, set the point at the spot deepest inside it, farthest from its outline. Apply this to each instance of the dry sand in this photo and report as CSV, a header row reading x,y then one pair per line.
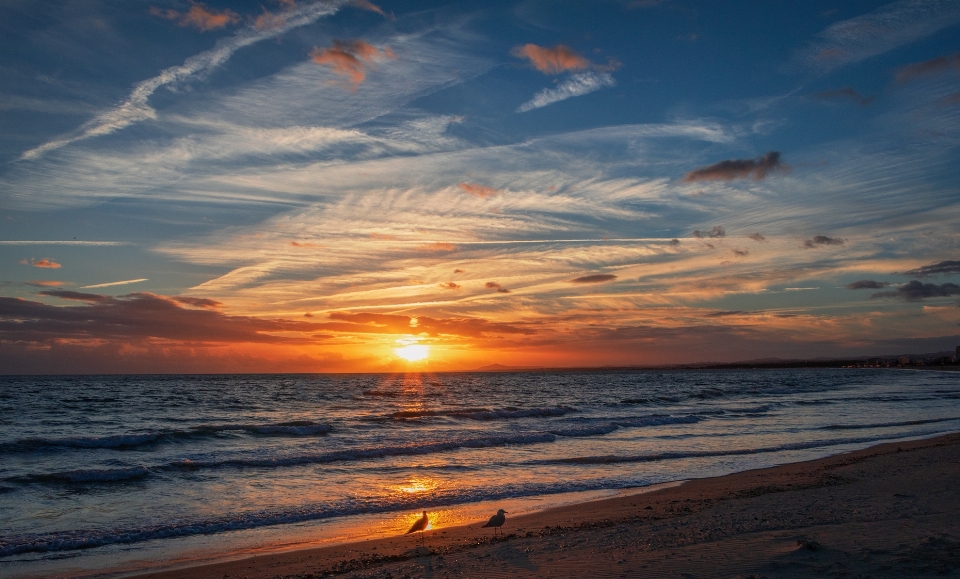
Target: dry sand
x,y
888,511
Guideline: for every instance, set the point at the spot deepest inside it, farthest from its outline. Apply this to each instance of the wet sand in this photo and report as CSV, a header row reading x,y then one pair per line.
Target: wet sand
x,y
887,511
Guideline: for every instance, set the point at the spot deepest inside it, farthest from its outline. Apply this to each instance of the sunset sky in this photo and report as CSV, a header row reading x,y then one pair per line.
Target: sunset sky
x,y
316,186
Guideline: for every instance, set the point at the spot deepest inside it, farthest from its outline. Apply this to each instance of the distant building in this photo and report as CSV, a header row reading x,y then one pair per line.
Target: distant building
x,y
904,360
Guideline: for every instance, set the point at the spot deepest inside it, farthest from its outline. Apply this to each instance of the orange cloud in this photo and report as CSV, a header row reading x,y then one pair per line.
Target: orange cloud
x,y
480,191
367,5
450,285
199,17
305,244
349,58
437,246
370,323
458,270
383,236
268,20
45,283
496,286
551,60
45,263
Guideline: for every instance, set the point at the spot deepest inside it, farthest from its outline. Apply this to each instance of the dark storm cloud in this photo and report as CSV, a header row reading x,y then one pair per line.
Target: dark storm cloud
x,y
941,267
915,291
866,284
732,169
134,317
596,278
821,240
845,93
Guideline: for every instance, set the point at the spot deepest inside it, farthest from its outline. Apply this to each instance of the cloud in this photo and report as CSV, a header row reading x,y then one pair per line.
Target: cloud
x,y
480,191
437,246
941,267
367,5
113,283
717,231
866,284
884,29
757,237
551,60
596,278
740,252
821,240
136,317
674,241
46,263
45,283
915,291
136,107
450,285
364,322
199,16
933,66
574,86
458,270
349,58
845,93
732,169
496,286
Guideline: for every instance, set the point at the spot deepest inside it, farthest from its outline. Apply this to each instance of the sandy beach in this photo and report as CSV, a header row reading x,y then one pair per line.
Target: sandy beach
x,y
886,511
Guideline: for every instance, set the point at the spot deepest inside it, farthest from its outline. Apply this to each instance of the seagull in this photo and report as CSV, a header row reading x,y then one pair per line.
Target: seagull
x,y
497,521
420,525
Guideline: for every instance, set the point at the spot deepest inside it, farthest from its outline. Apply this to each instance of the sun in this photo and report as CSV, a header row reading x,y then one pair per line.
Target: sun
x,y
413,353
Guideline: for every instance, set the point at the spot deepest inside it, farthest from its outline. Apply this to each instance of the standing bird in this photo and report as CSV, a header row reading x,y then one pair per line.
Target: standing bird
x,y
420,525
497,521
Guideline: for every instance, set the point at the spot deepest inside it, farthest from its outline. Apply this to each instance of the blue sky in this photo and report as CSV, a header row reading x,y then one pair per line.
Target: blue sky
x,y
562,183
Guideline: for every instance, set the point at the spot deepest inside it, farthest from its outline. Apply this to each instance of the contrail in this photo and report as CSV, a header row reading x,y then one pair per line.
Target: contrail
x,y
136,108
113,283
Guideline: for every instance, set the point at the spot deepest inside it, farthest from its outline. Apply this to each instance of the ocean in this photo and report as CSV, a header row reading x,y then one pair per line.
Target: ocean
x,y
111,473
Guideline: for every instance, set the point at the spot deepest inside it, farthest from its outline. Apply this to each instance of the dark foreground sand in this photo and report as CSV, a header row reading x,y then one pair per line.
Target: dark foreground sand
x,y
888,511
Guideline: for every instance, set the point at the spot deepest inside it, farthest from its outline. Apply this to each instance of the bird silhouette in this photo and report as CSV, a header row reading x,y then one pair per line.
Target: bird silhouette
x,y
420,525
497,521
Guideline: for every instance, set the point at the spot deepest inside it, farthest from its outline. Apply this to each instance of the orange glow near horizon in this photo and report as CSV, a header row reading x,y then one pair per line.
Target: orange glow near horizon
x,y
413,352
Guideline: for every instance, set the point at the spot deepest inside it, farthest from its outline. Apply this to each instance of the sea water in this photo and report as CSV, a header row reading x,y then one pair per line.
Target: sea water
x,y
111,472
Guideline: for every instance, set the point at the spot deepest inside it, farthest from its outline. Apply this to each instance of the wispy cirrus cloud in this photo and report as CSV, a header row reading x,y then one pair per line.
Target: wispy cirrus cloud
x,y
731,169
350,58
136,107
481,191
199,16
573,86
884,29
